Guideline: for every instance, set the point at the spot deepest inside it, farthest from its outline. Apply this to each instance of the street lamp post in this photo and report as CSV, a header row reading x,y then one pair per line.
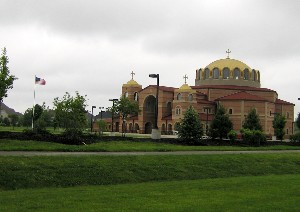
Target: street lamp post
x,y
112,116
101,111
92,118
155,131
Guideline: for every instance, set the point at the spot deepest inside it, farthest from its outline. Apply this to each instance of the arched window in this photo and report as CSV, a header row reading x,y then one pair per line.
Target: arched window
x,y
206,74
287,131
236,73
126,94
216,73
246,74
136,96
178,110
190,97
179,96
254,75
258,76
230,111
226,73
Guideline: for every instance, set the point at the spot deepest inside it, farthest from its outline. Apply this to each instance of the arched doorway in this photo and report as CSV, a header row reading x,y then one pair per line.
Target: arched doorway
x,y
148,128
149,113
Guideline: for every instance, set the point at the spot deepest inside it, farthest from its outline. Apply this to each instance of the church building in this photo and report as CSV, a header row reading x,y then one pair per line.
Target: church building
x,y
228,82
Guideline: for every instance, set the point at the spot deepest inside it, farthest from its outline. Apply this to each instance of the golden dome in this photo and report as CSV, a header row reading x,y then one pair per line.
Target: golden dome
x,y
131,83
228,63
185,87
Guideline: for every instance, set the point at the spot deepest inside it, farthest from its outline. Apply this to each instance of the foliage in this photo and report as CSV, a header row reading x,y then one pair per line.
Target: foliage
x,y
190,130
252,121
6,121
6,80
125,107
295,137
232,135
70,113
298,121
253,137
13,119
221,124
102,126
278,125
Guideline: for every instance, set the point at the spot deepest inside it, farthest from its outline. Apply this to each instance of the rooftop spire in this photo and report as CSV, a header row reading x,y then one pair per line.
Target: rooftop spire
x,y
228,52
185,77
132,73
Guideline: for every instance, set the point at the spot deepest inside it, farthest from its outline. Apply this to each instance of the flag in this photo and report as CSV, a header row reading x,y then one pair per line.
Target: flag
x,y
40,81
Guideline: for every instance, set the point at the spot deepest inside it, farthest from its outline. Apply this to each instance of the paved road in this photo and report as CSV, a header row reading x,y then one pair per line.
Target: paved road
x,y
43,153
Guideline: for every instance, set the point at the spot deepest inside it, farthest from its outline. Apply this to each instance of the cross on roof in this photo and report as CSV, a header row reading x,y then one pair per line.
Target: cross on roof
x,y
132,73
185,77
228,52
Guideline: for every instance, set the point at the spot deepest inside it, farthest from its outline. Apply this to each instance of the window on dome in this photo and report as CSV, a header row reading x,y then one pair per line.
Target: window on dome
x,y
126,94
246,74
179,96
237,73
225,73
216,73
206,76
254,75
190,97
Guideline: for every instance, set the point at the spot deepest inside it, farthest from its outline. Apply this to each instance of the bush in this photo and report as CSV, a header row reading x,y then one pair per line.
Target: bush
x,y
232,135
295,137
253,137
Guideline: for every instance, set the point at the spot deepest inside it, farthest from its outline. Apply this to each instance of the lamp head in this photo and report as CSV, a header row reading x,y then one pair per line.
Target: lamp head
x,y
153,75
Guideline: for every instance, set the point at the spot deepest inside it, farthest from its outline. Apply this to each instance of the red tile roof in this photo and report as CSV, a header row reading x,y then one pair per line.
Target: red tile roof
x,y
232,87
162,88
242,96
282,102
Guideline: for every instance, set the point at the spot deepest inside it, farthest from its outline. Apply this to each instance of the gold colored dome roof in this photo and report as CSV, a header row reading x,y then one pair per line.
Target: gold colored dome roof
x,y
131,83
185,87
228,63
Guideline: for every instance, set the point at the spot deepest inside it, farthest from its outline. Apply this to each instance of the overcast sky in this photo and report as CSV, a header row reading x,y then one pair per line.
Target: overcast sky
x,y
92,46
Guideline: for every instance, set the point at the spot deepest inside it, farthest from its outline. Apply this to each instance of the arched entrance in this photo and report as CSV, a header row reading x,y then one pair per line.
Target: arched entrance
x,y
148,128
149,113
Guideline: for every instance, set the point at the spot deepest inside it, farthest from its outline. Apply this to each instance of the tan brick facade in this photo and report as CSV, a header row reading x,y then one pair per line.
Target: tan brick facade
x,y
238,95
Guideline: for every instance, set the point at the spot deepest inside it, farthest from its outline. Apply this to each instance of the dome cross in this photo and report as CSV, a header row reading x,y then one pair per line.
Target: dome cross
x,y
185,77
228,52
132,73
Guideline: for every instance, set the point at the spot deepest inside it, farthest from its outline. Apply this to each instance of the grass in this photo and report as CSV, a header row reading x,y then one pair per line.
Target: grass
x,y
122,146
63,171
263,193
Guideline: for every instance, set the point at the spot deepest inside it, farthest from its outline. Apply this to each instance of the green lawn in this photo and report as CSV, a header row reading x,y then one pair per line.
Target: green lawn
x,y
262,193
119,146
63,171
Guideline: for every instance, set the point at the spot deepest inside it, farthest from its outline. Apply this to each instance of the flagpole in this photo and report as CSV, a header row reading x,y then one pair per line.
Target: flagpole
x,y
33,103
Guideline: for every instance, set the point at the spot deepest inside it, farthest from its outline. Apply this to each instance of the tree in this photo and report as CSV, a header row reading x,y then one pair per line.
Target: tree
x,y
13,119
6,121
190,130
126,107
298,121
252,121
6,80
102,126
70,113
278,125
221,124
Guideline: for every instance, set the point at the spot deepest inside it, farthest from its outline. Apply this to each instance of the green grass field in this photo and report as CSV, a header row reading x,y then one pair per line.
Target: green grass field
x,y
263,193
122,146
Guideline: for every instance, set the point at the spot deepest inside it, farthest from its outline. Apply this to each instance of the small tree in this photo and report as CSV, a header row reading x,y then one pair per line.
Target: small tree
x,y
252,121
125,107
190,130
70,113
102,126
298,121
6,122
6,80
13,119
221,124
278,125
